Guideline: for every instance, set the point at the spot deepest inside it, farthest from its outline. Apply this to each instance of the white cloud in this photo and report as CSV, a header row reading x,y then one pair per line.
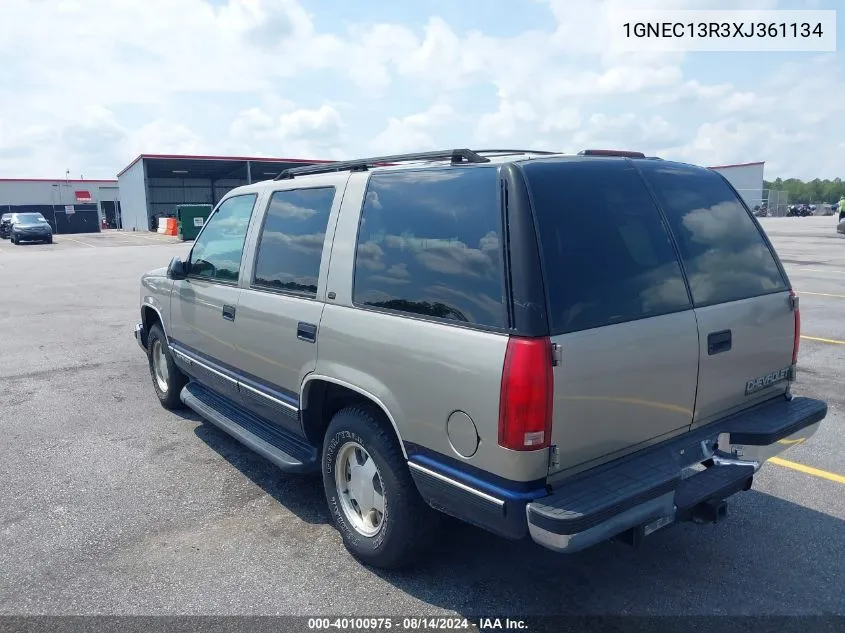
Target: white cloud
x,y
413,132
167,138
504,122
92,83
302,132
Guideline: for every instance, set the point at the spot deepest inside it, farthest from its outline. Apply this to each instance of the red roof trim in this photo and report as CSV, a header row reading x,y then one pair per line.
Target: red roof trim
x,y
53,180
761,162
263,159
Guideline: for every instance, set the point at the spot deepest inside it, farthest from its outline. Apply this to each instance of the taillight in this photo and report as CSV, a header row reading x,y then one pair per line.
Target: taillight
x,y
525,400
796,311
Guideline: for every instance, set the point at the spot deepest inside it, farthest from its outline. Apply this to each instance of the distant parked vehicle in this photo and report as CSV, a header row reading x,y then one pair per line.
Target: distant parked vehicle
x,y
5,225
799,211
30,227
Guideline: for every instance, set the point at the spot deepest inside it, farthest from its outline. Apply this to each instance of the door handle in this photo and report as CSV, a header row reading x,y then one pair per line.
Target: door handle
x,y
718,342
229,312
306,332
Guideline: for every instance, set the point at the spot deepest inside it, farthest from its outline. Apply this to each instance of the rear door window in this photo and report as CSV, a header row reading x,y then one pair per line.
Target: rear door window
x,y
723,251
608,257
429,245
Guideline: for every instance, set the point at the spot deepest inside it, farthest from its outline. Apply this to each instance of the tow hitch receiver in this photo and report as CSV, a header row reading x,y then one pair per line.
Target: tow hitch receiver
x,y
710,511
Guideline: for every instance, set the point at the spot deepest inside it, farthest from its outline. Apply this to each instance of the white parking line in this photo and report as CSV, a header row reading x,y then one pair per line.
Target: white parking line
x,y
156,237
63,237
821,294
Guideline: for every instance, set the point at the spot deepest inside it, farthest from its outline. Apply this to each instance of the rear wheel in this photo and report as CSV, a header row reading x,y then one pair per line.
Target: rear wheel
x,y
12,239
373,499
49,240
168,380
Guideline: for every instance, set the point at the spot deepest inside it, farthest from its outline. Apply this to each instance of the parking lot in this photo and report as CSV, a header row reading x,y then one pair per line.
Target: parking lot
x,y
110,504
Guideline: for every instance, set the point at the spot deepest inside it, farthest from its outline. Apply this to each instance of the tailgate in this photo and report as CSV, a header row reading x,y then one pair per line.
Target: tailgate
x,y
760,331
742,299
619,312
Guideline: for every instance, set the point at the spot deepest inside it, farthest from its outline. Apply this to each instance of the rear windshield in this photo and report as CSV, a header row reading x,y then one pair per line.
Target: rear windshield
x,y
607,255
724,254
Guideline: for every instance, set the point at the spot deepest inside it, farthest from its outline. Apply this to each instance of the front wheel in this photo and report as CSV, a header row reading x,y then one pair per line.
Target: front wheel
x,y
373,499
168,380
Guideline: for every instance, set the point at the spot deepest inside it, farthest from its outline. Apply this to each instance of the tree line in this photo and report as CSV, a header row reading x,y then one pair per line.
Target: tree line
x,y
813,192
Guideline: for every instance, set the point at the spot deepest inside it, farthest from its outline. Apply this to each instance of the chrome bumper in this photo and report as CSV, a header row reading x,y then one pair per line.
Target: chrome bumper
x,y
141,336
573,519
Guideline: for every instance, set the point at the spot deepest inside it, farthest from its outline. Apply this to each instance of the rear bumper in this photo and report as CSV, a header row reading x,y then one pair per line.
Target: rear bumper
x,y
653,488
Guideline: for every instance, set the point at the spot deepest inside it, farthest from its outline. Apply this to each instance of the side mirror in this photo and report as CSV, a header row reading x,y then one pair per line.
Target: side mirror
x,y
177,269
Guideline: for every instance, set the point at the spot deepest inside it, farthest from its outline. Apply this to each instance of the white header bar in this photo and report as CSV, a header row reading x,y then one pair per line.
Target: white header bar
x,y
724,30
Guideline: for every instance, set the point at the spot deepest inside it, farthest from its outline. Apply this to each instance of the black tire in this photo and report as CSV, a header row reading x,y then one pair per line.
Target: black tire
x,y
13,240
169,398
49,240
408,524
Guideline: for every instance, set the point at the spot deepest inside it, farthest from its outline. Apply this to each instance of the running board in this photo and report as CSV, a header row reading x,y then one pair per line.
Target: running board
x,y
285,450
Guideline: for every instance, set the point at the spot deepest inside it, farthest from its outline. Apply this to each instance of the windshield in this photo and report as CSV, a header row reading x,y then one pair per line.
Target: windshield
x,y
29,218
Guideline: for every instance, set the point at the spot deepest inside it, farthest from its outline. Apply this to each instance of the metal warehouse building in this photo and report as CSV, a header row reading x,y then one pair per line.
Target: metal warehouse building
x,y
70,206
153,184
747,179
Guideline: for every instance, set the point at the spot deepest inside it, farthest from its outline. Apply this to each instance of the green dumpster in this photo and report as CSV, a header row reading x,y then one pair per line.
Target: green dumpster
x,y
190,219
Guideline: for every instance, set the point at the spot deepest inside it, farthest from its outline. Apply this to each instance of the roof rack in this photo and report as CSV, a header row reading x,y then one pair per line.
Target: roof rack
x,y
541,152
363,164
611,152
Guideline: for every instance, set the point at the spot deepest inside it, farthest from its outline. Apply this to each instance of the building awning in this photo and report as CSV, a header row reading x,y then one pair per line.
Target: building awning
x,y
83,196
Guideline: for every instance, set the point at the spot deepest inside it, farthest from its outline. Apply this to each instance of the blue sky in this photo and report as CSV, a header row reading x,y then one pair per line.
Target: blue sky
x,y
86,85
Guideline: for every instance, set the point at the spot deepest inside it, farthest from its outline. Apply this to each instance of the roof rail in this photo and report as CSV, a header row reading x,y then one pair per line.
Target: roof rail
x,y
363,164
610,152
540,152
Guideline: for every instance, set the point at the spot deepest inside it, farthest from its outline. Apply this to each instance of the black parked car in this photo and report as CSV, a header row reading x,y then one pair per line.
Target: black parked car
x,y
30,227
799,211
5,225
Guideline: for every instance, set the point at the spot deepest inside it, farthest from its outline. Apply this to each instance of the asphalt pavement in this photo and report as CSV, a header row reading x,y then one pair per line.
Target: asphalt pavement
x,y
111,505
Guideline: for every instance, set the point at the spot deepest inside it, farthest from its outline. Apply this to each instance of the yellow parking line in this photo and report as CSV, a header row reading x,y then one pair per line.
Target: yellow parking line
x,y
809,470
821,294
823,340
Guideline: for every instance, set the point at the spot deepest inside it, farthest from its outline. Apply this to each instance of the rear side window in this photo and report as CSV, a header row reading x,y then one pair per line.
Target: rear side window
x,y
724,254
429,244
291,243
607,255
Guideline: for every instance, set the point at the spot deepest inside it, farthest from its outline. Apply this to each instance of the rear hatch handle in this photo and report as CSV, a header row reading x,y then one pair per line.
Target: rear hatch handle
x,y
718,342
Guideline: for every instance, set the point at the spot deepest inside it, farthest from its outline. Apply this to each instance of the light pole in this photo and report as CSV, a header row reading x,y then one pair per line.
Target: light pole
x,y
56,198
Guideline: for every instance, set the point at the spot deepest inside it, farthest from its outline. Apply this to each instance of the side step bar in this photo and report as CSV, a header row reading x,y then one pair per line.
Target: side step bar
x,y
285,450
